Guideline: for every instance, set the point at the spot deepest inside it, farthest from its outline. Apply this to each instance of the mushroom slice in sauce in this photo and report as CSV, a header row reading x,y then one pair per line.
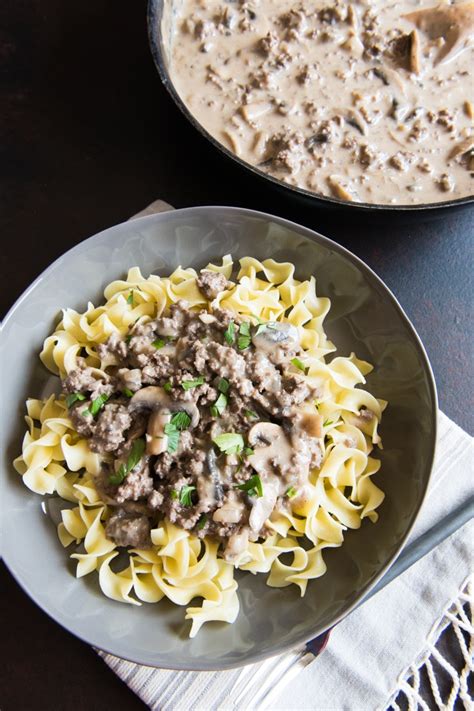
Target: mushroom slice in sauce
x,y
271,447
158,401
275,339
452,23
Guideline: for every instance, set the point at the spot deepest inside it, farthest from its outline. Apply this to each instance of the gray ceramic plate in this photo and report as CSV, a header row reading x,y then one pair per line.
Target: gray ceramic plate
x,y
364,317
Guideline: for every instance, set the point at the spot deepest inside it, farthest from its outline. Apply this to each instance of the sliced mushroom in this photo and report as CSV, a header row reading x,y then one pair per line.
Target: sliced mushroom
x,y
271,447
415,54
236,544
157,400
215,475
454,23
339,190
263,506
462,148
156,439
275,333
150,398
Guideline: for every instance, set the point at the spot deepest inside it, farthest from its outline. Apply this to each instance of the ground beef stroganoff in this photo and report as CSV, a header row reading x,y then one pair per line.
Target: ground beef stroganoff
x,y
200,429
366,101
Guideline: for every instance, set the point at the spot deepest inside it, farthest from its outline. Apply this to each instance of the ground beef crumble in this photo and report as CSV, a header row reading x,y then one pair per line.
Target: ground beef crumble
x,y
199,365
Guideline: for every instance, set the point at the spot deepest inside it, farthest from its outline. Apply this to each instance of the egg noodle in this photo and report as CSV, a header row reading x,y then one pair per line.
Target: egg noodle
x,y
180,566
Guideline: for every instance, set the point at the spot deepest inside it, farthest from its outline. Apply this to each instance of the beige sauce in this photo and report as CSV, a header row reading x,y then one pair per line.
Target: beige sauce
x,y
367,101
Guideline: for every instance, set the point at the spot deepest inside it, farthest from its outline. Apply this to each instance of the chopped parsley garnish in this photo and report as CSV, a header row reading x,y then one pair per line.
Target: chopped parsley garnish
x,y
136,453
130,298
291,492
128,338
244,338
223,386
188,384
127,392
96,405
168,386
202,522
253,486
229,442
181,420
260,328
173,437
229,333
251,414
74,397
248,451
299,364
185,495
219,406
159,343
174,494
327,423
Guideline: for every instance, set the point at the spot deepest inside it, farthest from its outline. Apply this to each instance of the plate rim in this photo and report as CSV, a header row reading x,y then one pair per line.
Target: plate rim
x,y
313,236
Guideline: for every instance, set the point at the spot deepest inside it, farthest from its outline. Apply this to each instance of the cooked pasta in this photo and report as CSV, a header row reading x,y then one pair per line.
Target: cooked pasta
x,y
229,441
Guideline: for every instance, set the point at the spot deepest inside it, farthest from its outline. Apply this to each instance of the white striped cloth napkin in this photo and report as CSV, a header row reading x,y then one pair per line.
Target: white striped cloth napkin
x,y
363,664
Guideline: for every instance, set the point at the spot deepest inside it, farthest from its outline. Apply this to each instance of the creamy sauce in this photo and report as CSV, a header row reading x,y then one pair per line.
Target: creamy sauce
x,y
367,101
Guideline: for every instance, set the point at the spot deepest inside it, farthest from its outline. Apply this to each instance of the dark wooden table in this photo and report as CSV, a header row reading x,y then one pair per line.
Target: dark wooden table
x,y
89,137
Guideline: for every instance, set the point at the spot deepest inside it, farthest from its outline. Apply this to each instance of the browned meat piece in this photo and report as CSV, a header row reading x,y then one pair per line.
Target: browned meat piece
x,y
137,485
109,431
83,380
211,284
82,420
128,530
115,349
268,44
402,160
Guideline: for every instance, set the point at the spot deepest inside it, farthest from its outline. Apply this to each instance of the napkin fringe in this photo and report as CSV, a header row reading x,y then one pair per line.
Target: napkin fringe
x,y
458,616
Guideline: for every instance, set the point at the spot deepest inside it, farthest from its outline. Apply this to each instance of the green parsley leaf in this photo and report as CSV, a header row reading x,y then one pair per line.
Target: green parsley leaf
x,y
174,494
136,453
327,423
253,486
173,437
260,328
127,392
229,442
291,492
181,420
219,406
74,397
185,495
128,338
223,386
248,451
229,333
130,298
202,522
159,343
244,338
96,405
251,414
168,386
188,384
299,364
